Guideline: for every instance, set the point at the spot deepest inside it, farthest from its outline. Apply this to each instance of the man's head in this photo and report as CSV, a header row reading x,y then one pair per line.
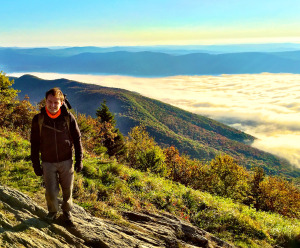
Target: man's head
x,y
54,100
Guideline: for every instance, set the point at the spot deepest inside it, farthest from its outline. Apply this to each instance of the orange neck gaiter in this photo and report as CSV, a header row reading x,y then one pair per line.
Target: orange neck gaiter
x,y
51,115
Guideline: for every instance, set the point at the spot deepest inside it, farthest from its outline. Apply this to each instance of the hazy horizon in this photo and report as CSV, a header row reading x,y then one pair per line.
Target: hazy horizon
x,y
264,105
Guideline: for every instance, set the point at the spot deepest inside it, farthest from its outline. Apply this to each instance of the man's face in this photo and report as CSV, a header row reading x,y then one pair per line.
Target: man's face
x,y
53,104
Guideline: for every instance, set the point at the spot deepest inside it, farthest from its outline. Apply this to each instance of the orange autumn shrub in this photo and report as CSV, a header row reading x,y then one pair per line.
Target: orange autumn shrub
x,y
281,196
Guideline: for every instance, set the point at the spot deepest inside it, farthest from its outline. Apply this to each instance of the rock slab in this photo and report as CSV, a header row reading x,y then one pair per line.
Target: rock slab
x,y
22,224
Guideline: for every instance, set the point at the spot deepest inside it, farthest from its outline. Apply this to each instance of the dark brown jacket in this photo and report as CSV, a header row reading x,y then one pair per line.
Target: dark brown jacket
x,y
56,141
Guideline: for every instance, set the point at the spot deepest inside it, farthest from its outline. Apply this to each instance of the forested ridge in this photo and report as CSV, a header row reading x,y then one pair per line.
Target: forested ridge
x,y
197,136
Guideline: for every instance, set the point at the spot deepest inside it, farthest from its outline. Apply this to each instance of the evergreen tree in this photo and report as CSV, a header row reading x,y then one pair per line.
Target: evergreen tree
x,y
112,138
104,114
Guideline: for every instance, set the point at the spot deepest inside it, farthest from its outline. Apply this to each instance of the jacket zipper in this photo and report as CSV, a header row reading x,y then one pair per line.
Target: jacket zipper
x,y
56,143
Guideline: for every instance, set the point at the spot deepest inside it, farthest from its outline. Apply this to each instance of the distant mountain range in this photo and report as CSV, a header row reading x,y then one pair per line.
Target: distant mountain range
x,y
154,61
174,49
198,136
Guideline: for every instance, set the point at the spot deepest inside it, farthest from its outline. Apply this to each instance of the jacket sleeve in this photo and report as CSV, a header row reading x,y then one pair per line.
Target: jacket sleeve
x,y
35,142
76,137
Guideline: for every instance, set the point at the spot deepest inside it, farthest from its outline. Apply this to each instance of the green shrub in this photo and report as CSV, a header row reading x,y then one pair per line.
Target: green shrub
x,y
227,178
143,153
14,114
152,160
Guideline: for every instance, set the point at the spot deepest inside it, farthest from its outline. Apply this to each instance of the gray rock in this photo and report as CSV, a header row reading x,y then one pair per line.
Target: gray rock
x,y
22,224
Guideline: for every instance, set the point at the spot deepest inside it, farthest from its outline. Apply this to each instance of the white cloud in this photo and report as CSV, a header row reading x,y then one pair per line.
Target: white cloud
x,y
264,105
285,145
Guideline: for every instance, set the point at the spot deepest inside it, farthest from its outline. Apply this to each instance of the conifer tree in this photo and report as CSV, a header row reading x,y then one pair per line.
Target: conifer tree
x,y
113,139
104,114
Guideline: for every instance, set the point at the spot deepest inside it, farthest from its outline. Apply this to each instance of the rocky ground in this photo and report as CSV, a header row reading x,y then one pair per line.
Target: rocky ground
x,y
22,224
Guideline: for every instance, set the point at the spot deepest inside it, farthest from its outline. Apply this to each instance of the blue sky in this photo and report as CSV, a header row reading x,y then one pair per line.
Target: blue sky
x,y
148,22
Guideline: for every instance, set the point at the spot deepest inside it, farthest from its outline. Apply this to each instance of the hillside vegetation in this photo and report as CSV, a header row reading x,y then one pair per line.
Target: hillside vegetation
x,y
106,188
197,136
247,209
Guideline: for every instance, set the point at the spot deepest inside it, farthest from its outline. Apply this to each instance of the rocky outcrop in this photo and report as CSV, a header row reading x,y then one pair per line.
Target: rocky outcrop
x,y
22,224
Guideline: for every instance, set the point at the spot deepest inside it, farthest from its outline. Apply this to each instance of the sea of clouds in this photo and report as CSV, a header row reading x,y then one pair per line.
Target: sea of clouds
x,y
265,105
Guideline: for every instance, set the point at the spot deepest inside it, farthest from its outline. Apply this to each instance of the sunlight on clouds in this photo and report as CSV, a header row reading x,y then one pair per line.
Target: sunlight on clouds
x,y
265,105
283,145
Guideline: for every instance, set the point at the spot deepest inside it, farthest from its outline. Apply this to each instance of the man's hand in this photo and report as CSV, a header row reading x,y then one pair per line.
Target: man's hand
x,y
78,166
38,170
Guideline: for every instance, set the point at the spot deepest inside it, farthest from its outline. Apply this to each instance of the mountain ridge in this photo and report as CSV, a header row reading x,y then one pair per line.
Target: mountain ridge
x,y
171,49
149,63
198,136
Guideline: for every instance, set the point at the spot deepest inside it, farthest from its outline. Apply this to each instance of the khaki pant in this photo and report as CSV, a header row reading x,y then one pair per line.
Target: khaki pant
x,y
56,174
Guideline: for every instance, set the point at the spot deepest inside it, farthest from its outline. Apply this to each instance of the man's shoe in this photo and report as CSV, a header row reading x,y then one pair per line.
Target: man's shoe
x,y
51,216
68,219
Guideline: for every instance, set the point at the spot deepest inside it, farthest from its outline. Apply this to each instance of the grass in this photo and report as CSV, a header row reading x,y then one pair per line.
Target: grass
x,y
105,188
123,188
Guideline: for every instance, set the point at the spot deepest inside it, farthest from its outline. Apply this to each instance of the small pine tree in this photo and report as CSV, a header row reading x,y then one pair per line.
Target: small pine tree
x,y
104,114
112,138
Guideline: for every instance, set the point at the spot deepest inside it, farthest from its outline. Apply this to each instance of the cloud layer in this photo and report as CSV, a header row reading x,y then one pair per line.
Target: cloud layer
x,y
265,105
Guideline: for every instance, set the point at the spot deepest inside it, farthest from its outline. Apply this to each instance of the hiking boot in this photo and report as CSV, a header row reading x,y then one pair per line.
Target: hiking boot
x,y
68,218
51,216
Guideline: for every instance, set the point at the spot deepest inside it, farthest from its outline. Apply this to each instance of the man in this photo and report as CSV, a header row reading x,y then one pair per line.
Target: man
x,y
53,133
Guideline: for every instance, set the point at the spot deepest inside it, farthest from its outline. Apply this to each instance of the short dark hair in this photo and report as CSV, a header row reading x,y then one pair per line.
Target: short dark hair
x,y
56,92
